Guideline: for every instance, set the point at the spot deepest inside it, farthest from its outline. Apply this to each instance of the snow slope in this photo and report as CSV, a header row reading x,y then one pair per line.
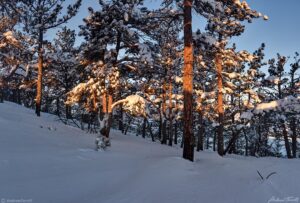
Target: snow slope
x,y
42,160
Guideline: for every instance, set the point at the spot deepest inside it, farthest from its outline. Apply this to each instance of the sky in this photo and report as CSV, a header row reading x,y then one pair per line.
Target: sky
x,y
281,33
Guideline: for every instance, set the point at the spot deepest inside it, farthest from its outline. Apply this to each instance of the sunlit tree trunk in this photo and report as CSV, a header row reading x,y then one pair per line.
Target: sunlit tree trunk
x,y
164,108
220,108
170,111
38,99
188,148
107,101
176,122
109,121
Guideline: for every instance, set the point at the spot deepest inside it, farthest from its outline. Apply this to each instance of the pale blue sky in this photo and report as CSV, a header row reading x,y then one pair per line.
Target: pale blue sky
x,y
281,32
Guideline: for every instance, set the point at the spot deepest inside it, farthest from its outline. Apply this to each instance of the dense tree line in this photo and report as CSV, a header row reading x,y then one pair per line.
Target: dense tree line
x,y
147,72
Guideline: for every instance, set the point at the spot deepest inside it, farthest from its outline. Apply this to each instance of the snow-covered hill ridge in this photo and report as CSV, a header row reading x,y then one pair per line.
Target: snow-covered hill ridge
x,y
43,160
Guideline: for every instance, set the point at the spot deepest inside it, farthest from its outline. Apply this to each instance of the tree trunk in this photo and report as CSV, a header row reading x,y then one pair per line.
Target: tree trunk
x,y
188,148
246,144
200,132
164,132
294,137
220,107
127,126
121,126
109,121
170,110
164,109
175,132
286,142
107,110
144,127
170,133
19,96
68,111
232,142
215,141
160,124
1,95
149,125
38,98
57,106
207,142
176,121
2,84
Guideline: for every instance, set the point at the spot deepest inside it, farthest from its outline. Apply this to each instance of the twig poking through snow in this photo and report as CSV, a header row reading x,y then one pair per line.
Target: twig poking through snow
x,y
268,176
271,175
260,175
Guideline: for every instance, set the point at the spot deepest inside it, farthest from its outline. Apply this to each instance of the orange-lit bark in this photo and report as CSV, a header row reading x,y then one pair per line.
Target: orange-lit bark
x,y
110,101
188,146
170,111
38,99
107,101
220,107
109,109
164,108
104,103
176,124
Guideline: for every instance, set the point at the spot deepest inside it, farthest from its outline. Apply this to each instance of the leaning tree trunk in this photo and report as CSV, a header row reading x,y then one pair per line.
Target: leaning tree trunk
x,y
220,108
286,142
38,98
188,148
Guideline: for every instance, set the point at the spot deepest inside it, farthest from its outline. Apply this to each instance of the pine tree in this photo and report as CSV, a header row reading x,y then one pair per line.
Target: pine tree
x,y
39,17
63,72
224,24
116,28
11,43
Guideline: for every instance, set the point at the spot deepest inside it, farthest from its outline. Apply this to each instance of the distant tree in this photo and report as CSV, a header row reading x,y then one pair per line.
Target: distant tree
x,y
63,72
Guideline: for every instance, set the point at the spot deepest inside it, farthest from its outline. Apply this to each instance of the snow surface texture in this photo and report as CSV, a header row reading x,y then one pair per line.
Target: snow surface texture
x,y
46,161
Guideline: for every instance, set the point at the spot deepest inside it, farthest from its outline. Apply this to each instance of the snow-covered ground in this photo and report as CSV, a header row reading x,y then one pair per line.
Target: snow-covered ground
x,y
42,160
